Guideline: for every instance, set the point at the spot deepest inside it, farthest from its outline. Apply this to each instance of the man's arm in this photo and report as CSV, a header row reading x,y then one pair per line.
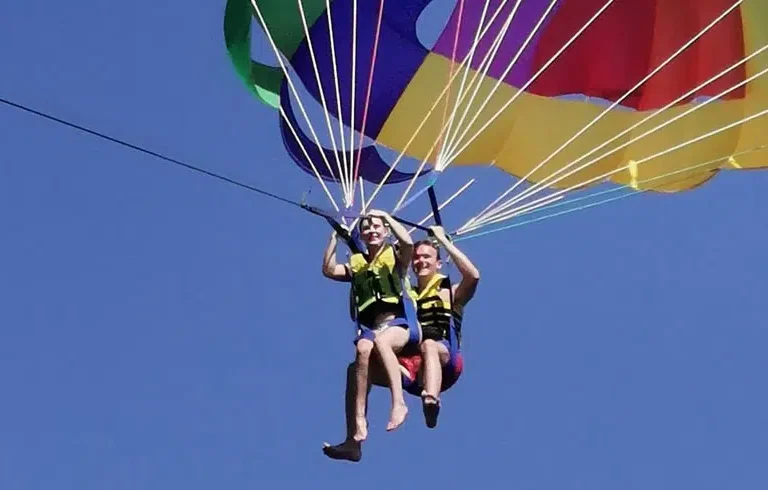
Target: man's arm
x,y
332,270
404,239
470,276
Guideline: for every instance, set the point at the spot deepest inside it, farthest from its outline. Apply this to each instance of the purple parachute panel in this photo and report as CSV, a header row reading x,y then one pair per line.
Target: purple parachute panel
x,y
528,14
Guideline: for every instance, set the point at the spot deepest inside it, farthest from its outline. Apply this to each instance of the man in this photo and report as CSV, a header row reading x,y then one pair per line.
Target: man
x,y
435,375
440,308
376,278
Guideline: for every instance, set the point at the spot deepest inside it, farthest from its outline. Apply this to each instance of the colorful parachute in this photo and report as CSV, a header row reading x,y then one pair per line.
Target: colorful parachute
x,y
581,58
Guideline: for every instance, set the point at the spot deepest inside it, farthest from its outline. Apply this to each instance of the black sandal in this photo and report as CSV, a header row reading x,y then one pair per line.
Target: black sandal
x,y
431,409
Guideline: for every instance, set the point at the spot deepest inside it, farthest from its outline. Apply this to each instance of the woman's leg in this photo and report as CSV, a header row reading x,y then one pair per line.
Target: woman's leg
x,y
362,385
388,343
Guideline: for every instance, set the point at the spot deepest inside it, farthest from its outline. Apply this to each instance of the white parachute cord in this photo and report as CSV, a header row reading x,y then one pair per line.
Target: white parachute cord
x,y
489,58
363,211
460,99
454,51
288,79
347,165
525,209
689,111
343,178
425,119
454,154
545,182
369,88
467,67
454,139
651,179
530,81
610,108
635,164
592,196
306,155
353,88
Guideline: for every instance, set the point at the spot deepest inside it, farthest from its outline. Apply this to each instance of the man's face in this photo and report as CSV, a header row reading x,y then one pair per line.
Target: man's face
x,y
373,231
425,262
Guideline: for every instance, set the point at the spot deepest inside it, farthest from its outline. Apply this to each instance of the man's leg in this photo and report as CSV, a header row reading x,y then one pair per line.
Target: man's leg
x,y
362,388
435,355
351,449
388,343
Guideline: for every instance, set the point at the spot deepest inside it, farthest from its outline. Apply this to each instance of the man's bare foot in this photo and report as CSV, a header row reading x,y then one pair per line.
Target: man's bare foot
x,y
361,433
397,416
349,450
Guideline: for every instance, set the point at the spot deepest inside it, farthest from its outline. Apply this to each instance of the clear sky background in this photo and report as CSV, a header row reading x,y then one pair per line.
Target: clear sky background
x,y
161,329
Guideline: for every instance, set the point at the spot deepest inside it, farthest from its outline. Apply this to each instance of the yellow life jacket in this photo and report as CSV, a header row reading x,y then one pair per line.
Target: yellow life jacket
x,y
435,313
377,281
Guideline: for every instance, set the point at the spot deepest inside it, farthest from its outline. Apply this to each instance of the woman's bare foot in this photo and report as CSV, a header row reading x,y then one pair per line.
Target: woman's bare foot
x,y
397,416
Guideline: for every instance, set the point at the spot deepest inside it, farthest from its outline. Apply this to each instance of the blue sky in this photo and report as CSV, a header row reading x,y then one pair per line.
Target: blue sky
x,y
165,330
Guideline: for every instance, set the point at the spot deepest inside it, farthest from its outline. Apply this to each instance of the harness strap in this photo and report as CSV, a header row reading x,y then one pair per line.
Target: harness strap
x,y
435,207
454,340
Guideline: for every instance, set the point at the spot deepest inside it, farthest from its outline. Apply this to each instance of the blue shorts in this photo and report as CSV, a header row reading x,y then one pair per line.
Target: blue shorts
x,y
364,332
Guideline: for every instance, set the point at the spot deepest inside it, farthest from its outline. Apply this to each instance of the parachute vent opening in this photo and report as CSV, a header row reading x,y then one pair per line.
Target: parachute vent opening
x,y
433,21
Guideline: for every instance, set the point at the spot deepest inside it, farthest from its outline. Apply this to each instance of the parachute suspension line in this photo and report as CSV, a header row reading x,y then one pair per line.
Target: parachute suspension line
x,y
669,174
347,164
362,195
481,74
533,190
426,117
306,155
530,192
353,85
444,204
498,211
633,164
484,70
533,205
343,178
460,99
467,66
447,161
617,102
529,207
601,193
440,140
454,50
374,54
455,153
301,106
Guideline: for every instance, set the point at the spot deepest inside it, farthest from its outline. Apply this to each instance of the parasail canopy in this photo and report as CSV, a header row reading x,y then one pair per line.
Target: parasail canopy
x,y
561,94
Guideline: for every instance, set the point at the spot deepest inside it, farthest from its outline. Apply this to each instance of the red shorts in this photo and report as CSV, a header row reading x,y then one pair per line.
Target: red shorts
x,y
412,363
